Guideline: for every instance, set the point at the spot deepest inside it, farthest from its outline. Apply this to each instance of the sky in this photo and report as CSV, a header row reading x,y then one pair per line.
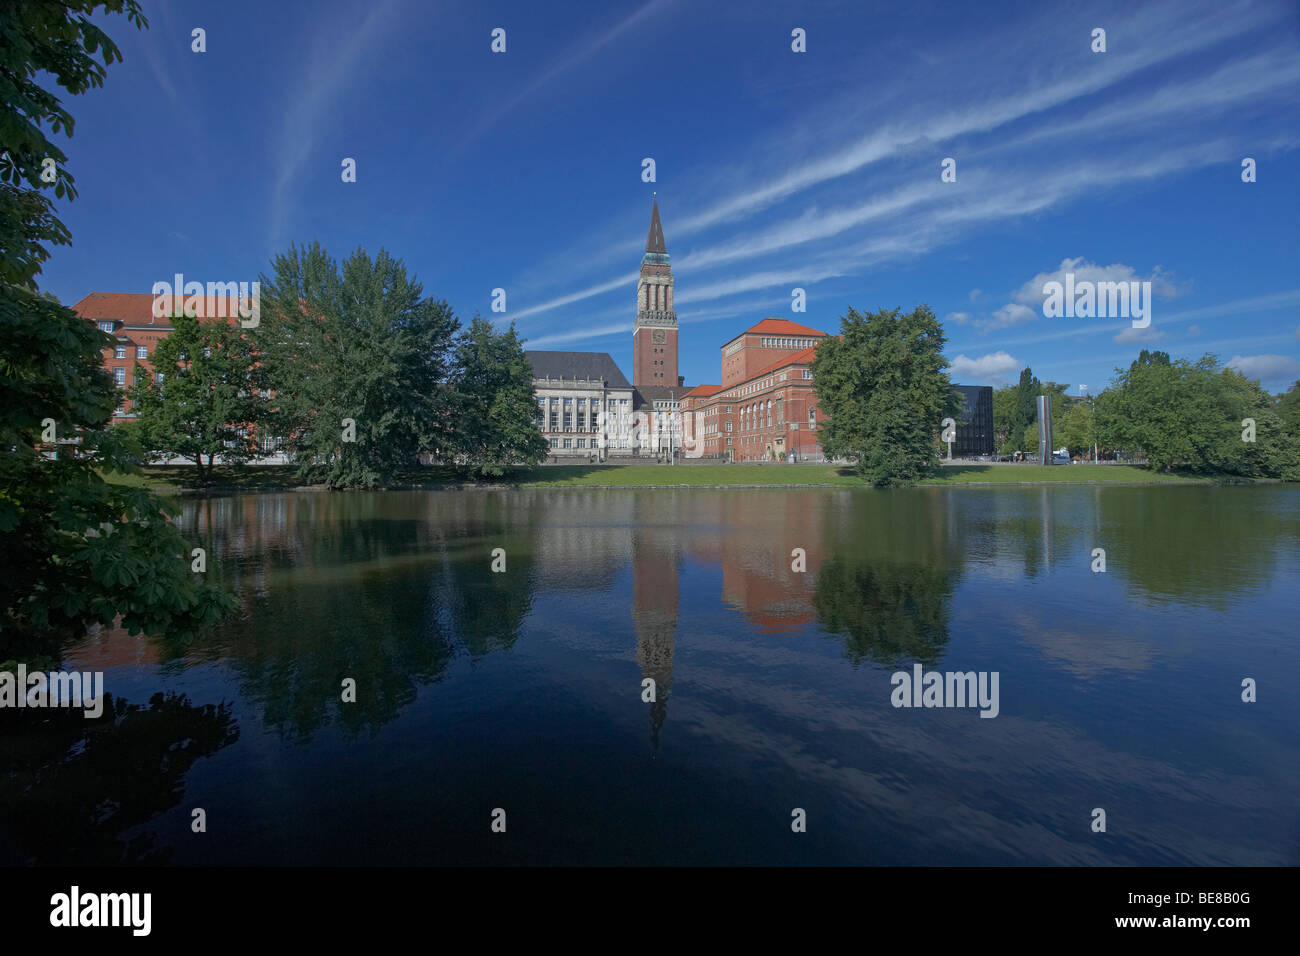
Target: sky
x,y
775,170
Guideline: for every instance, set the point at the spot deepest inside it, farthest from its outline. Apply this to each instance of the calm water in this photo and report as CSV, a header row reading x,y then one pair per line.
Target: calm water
x,y
522,690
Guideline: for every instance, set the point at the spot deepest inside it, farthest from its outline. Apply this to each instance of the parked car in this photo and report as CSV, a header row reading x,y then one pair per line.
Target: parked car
x,y
1060,459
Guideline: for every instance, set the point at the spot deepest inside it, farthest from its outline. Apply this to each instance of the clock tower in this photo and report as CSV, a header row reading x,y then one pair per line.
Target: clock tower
x,y
654,336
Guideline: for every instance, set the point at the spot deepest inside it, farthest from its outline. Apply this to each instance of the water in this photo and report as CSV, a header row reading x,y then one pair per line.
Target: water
x,y
522,690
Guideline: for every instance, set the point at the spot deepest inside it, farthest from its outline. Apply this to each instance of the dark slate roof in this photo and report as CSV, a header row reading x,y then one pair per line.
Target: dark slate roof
x,y
576,365
655,241
647,395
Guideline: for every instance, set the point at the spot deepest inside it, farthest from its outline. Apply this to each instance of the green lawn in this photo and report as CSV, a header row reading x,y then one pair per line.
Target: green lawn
x,y
1012,474
170,478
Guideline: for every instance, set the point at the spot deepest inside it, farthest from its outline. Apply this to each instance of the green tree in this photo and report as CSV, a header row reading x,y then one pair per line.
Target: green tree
x,y
496,410
882,383
1026,412
77,549
207,402
1004,412
1076,430
1288,410
1190,415
358,360
54,39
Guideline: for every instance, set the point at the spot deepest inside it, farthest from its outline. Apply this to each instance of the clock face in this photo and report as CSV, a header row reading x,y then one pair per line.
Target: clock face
x,y
658,336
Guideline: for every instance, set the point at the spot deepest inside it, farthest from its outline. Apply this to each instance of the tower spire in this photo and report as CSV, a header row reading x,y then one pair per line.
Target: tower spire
x,y
655,241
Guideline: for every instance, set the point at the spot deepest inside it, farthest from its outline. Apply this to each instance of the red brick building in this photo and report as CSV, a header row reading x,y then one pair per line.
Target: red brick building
x,y
129,318
654,335
766,406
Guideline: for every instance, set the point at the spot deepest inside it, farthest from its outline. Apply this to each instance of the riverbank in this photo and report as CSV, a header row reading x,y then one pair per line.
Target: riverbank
x,y
181,479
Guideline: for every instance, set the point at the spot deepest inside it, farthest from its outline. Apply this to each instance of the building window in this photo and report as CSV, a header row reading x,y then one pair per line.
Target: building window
x,y
728,439
106,326
812,416
119,376
568,443
582,443
119,351
141,351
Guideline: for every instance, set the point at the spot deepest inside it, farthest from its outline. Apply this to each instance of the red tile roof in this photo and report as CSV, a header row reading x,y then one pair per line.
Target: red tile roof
x,y
135,308
782,327
703,391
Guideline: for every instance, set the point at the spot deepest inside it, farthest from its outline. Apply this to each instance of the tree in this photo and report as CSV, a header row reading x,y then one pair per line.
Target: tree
x,y
1076,430
496,410
1026,413
77,549
882,384
1193,416
1288,410
206,401
44,38
1004,410
358,360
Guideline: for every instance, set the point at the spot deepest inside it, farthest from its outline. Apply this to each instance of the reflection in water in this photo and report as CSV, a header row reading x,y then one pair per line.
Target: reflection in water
x,y
891,566
516,687
654,610
110,774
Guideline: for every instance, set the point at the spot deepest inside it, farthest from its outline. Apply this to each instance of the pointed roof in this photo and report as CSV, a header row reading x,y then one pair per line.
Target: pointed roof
x,y
655,241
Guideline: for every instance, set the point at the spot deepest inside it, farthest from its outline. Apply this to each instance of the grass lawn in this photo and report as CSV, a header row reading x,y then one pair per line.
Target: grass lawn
x,y
270,478
1049,474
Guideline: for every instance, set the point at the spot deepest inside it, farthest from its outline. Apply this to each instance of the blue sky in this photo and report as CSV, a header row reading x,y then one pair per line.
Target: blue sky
x,y
775,169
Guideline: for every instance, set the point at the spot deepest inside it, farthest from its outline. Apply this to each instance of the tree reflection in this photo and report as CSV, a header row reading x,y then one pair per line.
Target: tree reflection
x,y
891,565
110,774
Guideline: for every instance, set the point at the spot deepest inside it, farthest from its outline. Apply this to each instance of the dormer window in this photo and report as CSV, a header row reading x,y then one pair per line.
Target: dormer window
x,y
106,326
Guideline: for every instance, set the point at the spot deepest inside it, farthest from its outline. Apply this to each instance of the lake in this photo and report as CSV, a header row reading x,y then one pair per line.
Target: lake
x,y
522,689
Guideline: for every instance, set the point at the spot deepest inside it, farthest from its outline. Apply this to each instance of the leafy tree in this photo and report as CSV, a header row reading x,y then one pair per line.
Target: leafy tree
x,y
57,39
358,360
1026,412
1077,428
495,407
1004,411
77,549
882,383
1189,415
208,402
1288,410
1030,439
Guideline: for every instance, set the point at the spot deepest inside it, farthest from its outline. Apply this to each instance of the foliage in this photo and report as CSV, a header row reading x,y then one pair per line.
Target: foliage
x,y
55,39
1077,430
78,550
358,361
208,402
882,383
1190,416
495,405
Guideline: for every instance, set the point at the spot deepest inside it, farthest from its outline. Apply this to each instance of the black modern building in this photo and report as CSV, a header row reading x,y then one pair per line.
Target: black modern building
x,y
974,422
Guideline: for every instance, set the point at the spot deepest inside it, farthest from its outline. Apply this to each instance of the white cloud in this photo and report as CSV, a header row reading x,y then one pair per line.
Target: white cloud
x,y
995,367
975,294
1132,336
1266,368
1193,330
1031,293
1011,314
960,318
